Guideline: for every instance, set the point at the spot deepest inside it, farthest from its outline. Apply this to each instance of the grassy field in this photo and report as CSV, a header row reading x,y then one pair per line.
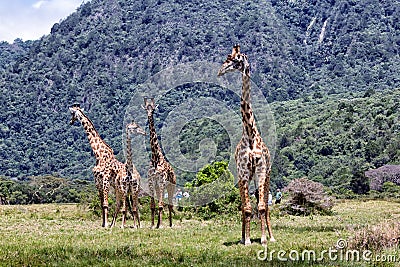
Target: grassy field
x,y
68,235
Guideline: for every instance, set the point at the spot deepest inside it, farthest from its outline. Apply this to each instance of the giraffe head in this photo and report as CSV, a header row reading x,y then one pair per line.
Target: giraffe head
x,y
235,62
149,105
76,113
133,127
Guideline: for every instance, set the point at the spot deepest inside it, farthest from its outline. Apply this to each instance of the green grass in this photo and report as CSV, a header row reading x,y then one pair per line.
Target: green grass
x,y
67,235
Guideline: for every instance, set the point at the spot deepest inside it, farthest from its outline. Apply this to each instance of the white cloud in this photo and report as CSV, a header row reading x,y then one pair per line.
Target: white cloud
x,y
31,19
38,4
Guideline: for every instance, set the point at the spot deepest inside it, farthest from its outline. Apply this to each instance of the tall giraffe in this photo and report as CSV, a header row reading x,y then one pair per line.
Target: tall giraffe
x,y
107,171
252,155
133,174
160,173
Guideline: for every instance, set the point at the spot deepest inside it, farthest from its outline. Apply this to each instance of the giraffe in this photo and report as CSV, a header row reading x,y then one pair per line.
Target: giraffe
x,y
133,174
107,171
160,173
252,155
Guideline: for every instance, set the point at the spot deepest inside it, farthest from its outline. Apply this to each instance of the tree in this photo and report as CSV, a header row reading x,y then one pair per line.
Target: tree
x,y
359,183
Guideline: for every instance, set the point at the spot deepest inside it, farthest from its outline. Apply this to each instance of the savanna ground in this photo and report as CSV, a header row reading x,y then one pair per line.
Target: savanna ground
x,y
69,235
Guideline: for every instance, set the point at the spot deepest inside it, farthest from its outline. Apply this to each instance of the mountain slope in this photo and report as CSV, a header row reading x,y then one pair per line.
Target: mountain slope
x,y
334,139
100,53
96,57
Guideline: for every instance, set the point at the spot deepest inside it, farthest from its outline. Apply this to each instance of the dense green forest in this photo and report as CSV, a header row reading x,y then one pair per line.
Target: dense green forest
x,y
335,139
330,70
9,53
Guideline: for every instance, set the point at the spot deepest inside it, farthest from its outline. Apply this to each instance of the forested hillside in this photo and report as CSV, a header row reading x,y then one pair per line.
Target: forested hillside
x,y
305,56
335,139
345,45
9,53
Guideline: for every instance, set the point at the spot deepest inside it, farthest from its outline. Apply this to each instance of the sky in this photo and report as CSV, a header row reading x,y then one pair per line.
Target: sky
x,y
31,19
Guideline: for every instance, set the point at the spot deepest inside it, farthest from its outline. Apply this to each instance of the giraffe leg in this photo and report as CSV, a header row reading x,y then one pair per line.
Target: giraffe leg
x,y
121,205
262,196
129,202
170,190
131,206
102,189
123,217
243,226
136,204
246,211
123,209
136,201
104,210
120,198
135,210
160,196
153,211
117,208
150,174
257,198
262,206
105,216
160,211
104,200
267,215
269,228
242,210
122,177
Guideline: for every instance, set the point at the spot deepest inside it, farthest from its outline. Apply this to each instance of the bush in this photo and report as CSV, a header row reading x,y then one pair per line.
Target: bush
x,y
212,192
307,197
96,209
45,189
390,190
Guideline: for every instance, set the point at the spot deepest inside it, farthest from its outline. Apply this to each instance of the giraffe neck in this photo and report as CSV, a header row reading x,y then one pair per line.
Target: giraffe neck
x,y
249,125
156,154
129,161
100,148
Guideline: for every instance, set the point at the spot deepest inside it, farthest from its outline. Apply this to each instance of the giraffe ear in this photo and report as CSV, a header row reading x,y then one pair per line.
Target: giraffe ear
x,y
156,106
143,107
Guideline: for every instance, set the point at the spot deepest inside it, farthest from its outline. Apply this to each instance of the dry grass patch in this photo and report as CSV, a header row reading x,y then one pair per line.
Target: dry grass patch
x,y
384,235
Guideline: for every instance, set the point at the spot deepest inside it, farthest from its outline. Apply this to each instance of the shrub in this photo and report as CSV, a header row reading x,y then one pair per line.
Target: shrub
x,y
390,189
213,192
307,197
96,209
